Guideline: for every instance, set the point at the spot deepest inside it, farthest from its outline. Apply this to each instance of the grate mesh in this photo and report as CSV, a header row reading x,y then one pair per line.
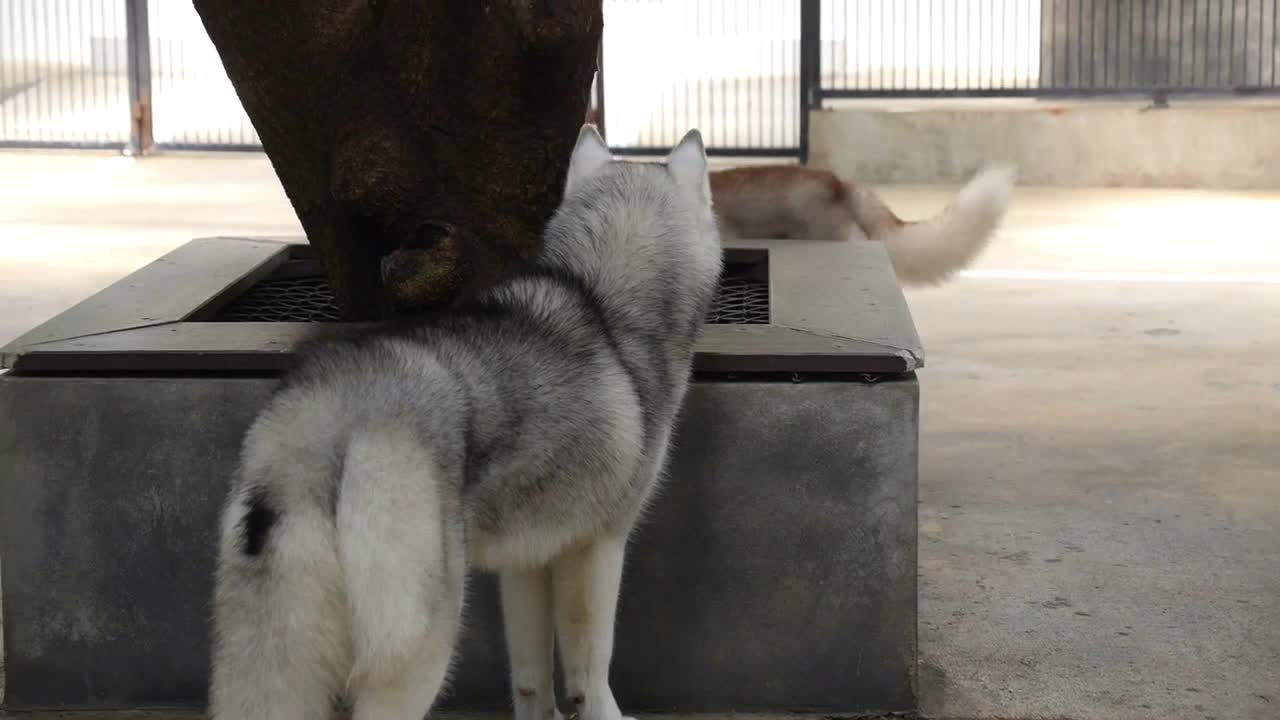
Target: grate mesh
x,y
305,299
742,301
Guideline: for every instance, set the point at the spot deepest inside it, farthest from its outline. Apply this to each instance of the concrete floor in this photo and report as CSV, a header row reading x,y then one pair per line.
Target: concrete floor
x,y
1100,450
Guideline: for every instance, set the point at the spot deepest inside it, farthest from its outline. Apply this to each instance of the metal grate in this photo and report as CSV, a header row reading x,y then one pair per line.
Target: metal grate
x,y
306,299
742,301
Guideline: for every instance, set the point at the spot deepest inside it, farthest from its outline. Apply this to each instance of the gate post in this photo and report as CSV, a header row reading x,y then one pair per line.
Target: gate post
x,y
139,72
810,68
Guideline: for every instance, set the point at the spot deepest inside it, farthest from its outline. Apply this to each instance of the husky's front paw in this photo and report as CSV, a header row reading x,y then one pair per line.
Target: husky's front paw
x,y
575,715
597,706
531,706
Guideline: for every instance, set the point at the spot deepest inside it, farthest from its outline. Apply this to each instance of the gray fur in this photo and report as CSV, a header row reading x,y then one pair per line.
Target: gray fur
x,y
522,432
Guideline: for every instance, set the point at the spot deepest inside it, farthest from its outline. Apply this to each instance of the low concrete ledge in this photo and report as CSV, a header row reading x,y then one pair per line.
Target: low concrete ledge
x,y
1101,143
776,573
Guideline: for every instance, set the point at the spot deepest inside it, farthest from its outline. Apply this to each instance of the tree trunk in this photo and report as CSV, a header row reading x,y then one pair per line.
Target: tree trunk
x,y
423,143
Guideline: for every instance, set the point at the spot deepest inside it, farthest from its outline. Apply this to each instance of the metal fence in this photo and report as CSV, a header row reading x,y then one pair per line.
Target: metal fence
x,y
193,103
63,73
130,73
1046,48
729,67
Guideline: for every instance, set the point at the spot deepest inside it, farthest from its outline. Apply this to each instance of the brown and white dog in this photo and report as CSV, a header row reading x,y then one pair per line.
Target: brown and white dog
x,y
792,201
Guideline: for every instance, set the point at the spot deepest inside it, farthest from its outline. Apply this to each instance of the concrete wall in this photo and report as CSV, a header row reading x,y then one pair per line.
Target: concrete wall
x,y
1204,144
777,571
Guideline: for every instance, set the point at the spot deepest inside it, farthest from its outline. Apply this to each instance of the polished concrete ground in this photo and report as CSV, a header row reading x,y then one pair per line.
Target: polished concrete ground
x,y
1100,450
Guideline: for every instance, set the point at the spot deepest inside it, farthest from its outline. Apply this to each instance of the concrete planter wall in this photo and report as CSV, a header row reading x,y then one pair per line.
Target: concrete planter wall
x,y
777,572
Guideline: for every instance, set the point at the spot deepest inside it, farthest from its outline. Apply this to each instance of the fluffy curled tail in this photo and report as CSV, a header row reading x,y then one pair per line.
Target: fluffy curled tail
x,y
365,594
401,545
930,251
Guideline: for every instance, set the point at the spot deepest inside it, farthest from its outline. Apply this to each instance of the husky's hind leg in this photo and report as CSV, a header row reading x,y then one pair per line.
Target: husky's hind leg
x,y
528,623
585,582
402,545
281,643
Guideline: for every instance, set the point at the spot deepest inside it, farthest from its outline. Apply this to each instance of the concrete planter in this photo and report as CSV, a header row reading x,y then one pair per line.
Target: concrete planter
x,y
777,572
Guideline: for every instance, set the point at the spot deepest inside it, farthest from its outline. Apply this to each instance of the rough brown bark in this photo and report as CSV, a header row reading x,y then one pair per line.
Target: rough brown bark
x,y
423,143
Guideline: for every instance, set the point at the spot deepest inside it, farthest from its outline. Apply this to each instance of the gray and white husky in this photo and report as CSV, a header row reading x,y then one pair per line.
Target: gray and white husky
x,y
523,433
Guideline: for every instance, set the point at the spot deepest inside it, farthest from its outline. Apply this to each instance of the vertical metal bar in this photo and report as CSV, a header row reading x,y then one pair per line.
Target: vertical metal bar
x,y
1182,24
1275,42
880,85
1079,44
690,119
138,35
1004,42
929,23
39,47
75,25
737,91
1141,77
1244,35
95,69
26,72
831,50
600,89
57,88
1262,12
810,57
173,64
1222,6
843,35
46,103
1017,44
112,63
982,23
776,75
723,84
1053,44
1231,49
1133,45
1148,77
1106,46
1068,42
908,56
1093,44
991,53
844,45
1036,43
778,88
757,135
697,33
8,69
905,81
1196,50
919,35
1155,62
895,82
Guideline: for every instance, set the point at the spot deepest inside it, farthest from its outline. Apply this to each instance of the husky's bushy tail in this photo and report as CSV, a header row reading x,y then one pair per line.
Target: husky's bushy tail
x,y
930,251
364,597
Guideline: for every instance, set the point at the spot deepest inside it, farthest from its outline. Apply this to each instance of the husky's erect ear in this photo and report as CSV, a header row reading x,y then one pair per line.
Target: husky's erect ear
x,y
687,163
589,155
